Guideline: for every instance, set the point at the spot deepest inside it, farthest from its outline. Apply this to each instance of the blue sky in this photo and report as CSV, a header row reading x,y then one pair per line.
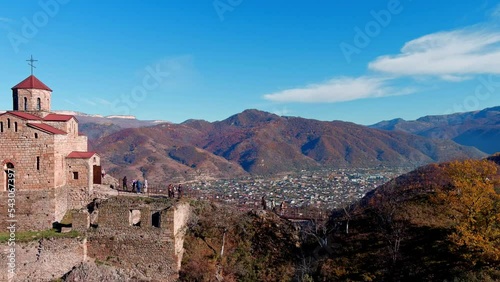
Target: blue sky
x,y
359,61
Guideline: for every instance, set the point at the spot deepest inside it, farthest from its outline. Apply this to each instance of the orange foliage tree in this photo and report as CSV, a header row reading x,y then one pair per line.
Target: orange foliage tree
x,y
473,207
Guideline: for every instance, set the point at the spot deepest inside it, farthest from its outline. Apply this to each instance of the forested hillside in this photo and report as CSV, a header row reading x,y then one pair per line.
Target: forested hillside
x,y
440,222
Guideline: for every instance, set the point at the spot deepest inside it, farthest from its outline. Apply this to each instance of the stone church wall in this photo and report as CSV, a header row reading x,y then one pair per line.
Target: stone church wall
x,y
22,148
78,173
70,127
66,145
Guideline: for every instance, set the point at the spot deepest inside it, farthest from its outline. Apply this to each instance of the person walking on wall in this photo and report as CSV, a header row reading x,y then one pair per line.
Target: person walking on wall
x,y
125,188
138,184
170,190
179,191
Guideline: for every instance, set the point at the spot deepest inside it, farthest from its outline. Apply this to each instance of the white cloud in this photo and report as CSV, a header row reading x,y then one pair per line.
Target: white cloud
x,y
338,90
6,20
451,55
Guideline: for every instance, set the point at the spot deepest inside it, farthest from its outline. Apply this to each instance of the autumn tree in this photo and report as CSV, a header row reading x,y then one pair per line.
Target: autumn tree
x,y
473,206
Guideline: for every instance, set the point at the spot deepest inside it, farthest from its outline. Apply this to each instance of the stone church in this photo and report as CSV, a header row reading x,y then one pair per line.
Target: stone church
x,y
54,171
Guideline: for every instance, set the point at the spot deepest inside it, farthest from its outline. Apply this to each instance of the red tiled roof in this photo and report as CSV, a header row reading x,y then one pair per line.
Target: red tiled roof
x,y
80,155
31,82
23,115
57,117
46,127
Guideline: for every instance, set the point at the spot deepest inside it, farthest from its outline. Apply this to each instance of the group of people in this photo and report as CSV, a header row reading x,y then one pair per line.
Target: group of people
x,y
137,185
172,190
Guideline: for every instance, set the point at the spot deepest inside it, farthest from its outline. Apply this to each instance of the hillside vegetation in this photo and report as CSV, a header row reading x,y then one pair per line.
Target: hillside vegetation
x,y
440,222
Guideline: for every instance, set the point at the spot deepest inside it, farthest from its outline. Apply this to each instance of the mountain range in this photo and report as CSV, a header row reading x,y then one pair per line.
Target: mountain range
x,y
256,142
97,126
480,129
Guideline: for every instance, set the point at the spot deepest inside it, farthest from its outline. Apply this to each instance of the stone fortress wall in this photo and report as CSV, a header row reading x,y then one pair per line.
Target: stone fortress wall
x,y
138,235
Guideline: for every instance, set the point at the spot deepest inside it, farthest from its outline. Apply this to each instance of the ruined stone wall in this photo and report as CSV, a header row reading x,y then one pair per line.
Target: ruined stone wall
x,y
78,198
119,213
142,243
34,210
81,220
60,202
22,148
181,215
137,250
149,251
45,259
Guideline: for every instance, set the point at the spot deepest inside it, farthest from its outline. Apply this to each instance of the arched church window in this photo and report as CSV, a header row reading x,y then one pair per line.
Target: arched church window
x,y
15,126
37,163
25,103
8,123
1,126
38,104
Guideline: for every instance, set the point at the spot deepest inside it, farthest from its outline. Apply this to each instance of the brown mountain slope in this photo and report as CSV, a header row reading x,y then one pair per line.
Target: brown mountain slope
x,y
262,143
480,129
161,153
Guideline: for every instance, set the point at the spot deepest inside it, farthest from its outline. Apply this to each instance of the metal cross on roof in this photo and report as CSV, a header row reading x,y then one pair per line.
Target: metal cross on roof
x,y
31,61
